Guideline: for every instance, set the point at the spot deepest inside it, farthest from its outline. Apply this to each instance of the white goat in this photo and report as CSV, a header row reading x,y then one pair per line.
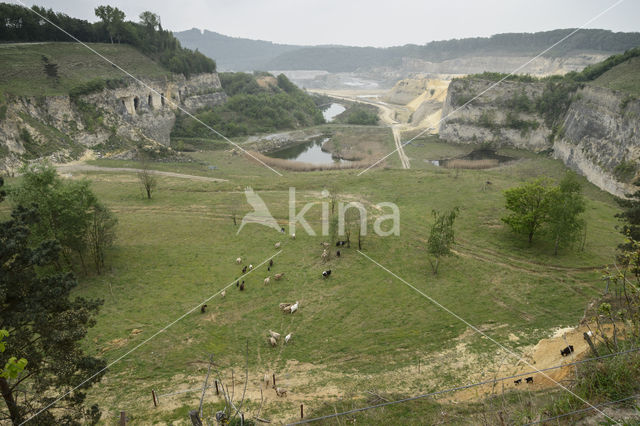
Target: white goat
x,y
274,334
294,307
278,276
277,245
239,260
293,236
280,391
224,293
272,341
267,280
287,337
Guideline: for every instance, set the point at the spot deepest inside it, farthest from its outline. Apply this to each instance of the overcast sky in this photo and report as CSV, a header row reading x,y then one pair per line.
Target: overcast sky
x,y
367,22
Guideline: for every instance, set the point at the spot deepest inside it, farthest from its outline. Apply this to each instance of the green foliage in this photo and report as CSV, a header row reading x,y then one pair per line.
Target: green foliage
x,y
13,366
441,236
565,207
529,205
252,109
555,100
46,327
630,218
92,117
3,111
498,76
520,102
625,170
513,121
362,114
160,45
96,85
592,72
487,119
66,210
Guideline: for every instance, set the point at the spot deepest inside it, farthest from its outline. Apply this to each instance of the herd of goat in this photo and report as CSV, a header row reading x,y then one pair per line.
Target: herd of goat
x,y
274,337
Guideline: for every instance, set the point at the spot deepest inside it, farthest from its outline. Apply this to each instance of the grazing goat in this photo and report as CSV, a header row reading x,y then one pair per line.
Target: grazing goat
x,y
278,276
266,379
277,245
280,391
269,268
325,255
274,334
271,262
341,243
294,307
293,236
286,307
250,266
244,270
242,286
566,351
224,293
272,341
203,309
529,379
237,283
338,253
267,280
326,273
287,337
282,230
517,382
239,260
325,245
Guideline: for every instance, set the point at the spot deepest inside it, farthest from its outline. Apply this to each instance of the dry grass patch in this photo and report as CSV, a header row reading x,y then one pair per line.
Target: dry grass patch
x,y
471,164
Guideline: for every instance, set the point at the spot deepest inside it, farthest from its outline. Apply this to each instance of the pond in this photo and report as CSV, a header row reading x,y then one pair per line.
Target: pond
x,y
308,152
331,112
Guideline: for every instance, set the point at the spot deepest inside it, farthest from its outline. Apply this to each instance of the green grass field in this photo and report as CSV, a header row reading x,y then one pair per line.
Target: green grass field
x,y
22,68
624,77
361,328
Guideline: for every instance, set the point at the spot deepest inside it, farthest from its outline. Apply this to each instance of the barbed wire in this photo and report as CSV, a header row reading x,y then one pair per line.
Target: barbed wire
x,y
583,410
457,388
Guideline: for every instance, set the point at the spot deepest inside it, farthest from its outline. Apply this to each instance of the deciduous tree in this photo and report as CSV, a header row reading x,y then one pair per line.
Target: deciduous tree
x,y
441,236
529,206
565,207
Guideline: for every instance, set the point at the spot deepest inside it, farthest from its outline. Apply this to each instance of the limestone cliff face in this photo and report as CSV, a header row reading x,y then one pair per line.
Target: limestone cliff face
x,y
492,117
600,136
61,128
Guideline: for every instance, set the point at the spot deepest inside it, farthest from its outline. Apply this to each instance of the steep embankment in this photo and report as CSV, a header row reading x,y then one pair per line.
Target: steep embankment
x,y
598,135
423,97
86,103
503,115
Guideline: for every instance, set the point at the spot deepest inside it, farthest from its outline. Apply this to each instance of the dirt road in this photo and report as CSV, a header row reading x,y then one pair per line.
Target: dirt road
x,y
387,114
69,168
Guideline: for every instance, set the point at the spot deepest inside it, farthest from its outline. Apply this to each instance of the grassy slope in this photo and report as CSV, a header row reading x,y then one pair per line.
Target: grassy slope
x,y
23,73
624,77
179,248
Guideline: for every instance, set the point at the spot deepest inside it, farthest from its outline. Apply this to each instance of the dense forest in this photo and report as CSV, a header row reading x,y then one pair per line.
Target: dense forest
x,y
257,103
19,24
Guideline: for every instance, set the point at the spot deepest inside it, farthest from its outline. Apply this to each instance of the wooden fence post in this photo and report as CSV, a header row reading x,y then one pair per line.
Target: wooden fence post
x,y
301,411
274,380
123,418
217,391
195,418
155,398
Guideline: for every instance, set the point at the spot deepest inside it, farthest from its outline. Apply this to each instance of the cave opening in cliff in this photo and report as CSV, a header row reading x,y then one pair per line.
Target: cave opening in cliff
x,y
136,103
162,98
150,101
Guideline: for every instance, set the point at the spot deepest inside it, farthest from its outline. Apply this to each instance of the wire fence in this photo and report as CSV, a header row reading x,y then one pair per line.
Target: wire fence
x,y
458,388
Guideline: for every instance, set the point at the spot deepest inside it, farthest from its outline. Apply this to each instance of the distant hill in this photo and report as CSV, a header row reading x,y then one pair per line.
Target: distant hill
x,y
624,77
245,54
233,54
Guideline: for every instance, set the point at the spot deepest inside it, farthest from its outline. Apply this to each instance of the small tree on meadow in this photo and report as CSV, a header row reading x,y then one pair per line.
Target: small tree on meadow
x,y
529,205
441,236
147,178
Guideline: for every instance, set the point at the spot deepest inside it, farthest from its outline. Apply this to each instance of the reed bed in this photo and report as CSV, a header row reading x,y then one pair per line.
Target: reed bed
x,y
471,164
